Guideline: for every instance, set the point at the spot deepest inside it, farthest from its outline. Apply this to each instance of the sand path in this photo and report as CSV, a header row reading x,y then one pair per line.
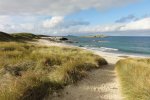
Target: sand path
x,y
101,84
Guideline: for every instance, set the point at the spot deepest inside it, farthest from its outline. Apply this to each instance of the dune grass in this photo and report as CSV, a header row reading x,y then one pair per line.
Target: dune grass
x,y
134,77
31,72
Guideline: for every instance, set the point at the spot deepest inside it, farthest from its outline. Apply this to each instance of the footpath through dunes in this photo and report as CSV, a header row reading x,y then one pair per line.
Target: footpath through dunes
x,y
101,84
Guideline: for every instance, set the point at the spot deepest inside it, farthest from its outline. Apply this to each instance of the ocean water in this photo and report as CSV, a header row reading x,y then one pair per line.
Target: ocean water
x,y
116,44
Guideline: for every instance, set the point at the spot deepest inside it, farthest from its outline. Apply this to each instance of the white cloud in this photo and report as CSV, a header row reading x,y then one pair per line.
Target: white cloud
x,y
138,25
56,7
27,26
4,19
14,24
60,26
143,24
21,15
53,22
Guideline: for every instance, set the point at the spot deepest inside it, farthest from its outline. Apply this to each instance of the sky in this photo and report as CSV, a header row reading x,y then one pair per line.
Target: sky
x,y
76,17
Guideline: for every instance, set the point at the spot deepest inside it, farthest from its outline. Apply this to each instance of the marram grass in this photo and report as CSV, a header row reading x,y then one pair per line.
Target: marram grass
x,y
134,77
31,72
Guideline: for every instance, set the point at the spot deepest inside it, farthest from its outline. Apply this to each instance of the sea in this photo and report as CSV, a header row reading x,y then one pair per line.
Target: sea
x,y
134,45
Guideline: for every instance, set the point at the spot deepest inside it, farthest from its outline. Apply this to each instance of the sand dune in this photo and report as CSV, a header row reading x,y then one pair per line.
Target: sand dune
x,y
101,84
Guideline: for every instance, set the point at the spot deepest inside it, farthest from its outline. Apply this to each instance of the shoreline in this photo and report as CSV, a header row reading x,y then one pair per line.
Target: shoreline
x,y
122,55
102,53
117,53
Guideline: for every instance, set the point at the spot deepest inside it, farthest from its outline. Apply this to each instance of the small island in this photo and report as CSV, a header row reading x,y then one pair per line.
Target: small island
x,y
95,36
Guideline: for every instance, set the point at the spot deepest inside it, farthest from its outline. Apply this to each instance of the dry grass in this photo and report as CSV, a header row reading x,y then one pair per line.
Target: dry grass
x,y
29,72
134,77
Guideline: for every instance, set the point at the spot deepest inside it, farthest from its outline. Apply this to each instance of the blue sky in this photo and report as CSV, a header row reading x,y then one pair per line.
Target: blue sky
x,y
77,17
139,9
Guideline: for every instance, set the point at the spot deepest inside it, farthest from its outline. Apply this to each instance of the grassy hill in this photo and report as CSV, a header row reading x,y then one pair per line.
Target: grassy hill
x,y
17,36
5,37
24,36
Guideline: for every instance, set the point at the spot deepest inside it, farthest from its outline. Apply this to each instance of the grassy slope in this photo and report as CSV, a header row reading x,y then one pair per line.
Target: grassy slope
x,y
24,36
17,36
29,72
5,37
134,76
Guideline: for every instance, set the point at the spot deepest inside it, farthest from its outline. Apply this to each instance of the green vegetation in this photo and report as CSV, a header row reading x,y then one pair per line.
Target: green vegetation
x,y
32,72
17,37
134,77
24,36
5,37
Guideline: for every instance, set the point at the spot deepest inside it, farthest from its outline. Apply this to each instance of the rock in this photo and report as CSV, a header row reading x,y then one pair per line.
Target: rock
x,y
63,39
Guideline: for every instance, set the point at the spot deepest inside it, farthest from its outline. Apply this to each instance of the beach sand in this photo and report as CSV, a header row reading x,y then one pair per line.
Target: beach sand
x,y
100,84
44,42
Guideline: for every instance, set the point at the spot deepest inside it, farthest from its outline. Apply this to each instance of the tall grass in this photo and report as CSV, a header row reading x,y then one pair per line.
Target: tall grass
x,y
31,72
134,77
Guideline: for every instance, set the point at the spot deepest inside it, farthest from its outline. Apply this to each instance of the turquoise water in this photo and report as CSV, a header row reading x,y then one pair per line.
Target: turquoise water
x,y
116,44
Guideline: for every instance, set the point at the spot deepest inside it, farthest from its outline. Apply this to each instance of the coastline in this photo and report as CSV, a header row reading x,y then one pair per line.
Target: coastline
x,y
100,84
121,46
111,57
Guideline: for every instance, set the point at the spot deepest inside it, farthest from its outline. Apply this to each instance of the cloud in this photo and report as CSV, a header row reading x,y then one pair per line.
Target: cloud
x,y
14,24
142,24
4,19
53,22
27,26
58,25
68,24
25,15
55,7
60,22
138,25
126,19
